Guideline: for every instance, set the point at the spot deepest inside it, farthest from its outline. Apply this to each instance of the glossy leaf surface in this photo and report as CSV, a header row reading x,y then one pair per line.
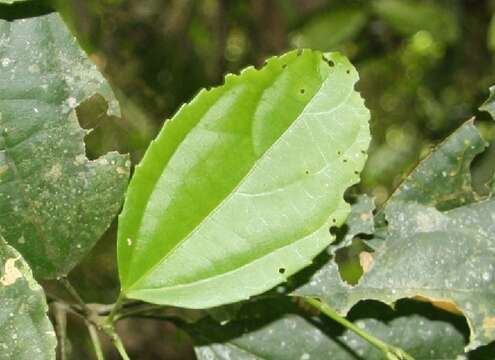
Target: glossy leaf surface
x,y
54,202
240,188
26,332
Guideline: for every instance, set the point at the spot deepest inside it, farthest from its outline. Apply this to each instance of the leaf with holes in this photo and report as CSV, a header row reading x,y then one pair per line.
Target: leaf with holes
x,y
445,257
240,188
26,330
277,331
54,202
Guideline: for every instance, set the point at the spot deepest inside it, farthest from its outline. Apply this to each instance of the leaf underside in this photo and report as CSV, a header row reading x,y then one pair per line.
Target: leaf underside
x,y
54,202
240,188
26,332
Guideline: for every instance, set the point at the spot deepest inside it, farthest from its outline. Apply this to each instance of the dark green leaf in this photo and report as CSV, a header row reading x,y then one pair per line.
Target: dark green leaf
x,y
443,179
54,202
26,332
280,331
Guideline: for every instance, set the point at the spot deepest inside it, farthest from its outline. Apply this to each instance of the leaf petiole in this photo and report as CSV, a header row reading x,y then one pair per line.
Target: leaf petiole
x,y
390,352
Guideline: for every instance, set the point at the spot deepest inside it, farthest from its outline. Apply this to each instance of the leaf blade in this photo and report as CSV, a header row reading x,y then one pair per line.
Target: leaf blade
x,y
273,128
55,203
26,329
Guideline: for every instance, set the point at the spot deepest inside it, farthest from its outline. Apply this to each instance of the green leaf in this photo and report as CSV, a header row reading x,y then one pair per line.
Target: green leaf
x,y
54,202
279,331
10,1
489,104
360,221
408,17
240,188
443,179
26,330
330,30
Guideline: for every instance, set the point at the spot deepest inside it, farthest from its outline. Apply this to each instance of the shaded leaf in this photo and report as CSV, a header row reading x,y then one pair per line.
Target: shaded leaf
x,y
408,17
443,179
330,30
26,332
489,104
279,330
240,188
54,202
10,1
446,257
360,221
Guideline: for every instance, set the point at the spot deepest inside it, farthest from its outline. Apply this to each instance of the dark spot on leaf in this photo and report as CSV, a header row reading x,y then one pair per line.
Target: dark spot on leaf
x,y
356,172
302,91
284,66
281,270
307,171
339,152
348,71
344,160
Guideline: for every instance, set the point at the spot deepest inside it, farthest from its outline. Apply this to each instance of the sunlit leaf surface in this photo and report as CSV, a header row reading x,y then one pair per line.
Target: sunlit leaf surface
x,y
240,188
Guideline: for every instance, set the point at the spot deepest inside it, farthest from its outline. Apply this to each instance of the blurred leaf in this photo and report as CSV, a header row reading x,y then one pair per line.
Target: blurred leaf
x,y
240,188
10,1
26,330
330,30
54,202
408,17
490,37
280,331
489,104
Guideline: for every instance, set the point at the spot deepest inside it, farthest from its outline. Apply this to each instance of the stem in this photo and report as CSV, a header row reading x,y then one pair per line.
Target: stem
x,y
75,295
115,309
61,326
117,342
390,352
141,309
95,340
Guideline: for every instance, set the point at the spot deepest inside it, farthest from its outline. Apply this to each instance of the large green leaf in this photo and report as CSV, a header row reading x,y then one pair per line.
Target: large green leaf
x,y
278,331
240,188
54,202
26,332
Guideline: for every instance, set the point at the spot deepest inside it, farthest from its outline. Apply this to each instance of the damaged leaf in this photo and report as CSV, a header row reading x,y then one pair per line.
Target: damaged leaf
x,y
54,202
26,332
443,179
239,190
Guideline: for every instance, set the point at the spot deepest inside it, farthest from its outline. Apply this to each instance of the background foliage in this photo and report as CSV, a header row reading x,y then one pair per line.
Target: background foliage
x,y
424,66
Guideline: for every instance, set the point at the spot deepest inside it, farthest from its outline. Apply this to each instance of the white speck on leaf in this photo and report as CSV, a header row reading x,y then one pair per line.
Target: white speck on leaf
x,y
11,273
